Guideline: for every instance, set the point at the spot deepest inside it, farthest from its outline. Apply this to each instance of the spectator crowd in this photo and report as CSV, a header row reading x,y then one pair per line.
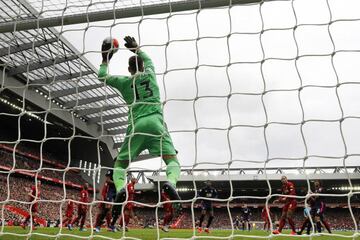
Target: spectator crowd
x,y
14,189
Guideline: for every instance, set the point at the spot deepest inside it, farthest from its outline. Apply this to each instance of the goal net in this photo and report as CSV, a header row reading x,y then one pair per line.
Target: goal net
x,y
251,91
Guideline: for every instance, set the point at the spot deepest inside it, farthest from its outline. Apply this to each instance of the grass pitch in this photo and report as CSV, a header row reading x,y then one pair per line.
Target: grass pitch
x,y
152,234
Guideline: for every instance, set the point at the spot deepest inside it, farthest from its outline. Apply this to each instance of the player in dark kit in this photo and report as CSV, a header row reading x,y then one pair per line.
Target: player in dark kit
x,y
245,218
34,195
69,213
317,210
206,205
146,128
108,193
288,188
82,209
128,209
168,211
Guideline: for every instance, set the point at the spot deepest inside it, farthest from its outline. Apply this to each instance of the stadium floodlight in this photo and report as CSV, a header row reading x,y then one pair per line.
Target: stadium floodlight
x,y
254,82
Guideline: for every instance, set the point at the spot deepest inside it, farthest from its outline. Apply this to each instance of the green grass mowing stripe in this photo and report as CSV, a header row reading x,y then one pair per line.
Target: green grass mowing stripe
x,y
151,234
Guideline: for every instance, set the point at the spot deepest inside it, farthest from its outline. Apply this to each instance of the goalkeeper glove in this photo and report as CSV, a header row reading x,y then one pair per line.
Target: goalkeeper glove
x,y
131,44
106,52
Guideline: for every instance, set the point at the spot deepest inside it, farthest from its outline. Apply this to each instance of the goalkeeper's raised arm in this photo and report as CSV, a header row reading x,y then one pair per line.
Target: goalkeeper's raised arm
x,y
143,63
107,51
132,45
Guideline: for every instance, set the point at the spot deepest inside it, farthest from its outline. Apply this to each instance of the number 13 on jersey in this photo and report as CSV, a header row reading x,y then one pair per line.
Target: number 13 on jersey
x,y
148,92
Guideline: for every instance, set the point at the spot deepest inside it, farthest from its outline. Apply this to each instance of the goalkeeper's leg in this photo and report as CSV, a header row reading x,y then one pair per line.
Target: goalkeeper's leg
x,y
119,176
130,149
172,175
163,146
172,168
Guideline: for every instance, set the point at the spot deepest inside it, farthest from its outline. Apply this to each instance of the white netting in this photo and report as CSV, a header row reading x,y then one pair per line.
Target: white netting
x,y
245,85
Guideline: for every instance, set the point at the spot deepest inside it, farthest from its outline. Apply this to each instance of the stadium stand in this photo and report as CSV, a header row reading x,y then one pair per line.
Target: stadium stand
x,y
28,161
25,163
337,213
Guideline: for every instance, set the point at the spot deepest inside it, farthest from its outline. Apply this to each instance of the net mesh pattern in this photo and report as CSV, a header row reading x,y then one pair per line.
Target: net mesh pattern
x,y
293,74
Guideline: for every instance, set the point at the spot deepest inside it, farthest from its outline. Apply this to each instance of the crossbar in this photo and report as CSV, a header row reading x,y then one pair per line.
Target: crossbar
x,y
136,11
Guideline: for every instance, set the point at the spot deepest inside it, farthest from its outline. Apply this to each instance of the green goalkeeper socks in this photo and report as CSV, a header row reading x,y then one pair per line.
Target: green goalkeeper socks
x,y
119,175
172,170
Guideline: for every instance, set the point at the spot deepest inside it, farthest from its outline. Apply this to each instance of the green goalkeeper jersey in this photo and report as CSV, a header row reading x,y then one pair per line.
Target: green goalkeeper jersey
x,y
140,91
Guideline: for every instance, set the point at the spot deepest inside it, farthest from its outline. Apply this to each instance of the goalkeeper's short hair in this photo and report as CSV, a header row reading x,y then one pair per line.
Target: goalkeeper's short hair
x,y
136,63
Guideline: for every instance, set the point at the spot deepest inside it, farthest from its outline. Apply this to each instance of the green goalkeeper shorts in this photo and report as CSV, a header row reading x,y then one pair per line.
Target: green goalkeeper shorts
x,y
150,133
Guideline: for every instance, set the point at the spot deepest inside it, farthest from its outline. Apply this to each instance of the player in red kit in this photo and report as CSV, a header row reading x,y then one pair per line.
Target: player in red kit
x,y
108,194
265,216
69,213
82,209
128,209
168,211
288,188
34,196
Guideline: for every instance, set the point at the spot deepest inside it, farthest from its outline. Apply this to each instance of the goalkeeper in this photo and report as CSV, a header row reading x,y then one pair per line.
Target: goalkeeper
x,y
146,127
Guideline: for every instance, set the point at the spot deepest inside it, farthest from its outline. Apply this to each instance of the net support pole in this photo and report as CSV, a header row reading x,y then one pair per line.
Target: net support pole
x,y
180,6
